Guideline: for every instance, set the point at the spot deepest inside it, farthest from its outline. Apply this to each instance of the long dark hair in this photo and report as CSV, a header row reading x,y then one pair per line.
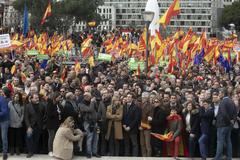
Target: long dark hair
x,y
20,98
53,97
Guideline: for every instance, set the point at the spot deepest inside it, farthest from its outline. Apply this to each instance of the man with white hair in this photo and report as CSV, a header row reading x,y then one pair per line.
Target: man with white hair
x,y
145,128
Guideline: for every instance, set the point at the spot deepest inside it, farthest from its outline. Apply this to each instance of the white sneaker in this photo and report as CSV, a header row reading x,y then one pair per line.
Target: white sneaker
x,y
50,154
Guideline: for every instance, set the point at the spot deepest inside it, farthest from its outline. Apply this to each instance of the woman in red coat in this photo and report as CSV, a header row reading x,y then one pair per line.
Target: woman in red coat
x,y
175,126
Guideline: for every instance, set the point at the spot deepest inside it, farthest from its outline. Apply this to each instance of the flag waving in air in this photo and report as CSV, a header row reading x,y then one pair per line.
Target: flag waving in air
x,y
173,10
47,13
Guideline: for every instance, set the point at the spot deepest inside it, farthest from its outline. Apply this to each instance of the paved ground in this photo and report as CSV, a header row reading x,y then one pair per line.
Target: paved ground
x,y
46,157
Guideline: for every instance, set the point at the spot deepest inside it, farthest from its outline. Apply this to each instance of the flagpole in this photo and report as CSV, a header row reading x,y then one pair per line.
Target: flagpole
x,y
148,17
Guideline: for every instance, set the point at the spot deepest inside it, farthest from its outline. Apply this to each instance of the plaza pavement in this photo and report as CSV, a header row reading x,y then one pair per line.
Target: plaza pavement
x,y
46,157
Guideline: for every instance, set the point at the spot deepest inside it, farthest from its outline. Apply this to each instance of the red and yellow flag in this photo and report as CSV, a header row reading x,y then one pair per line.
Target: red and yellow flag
x,y
163,137
86,46
210,53
77,66
173,10
47,13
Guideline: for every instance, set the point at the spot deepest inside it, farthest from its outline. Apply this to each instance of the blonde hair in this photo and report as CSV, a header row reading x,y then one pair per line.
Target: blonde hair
x,y
114,99
67,122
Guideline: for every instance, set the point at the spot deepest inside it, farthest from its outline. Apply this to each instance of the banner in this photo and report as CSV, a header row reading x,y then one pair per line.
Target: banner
x,y
163,63
5,41
105,57
42,57
32,52
133,65
62,52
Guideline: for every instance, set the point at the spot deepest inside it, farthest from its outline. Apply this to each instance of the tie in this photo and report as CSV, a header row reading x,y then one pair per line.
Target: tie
x,y
128,108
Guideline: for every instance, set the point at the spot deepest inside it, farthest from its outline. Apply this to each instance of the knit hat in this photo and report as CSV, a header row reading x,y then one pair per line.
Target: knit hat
x,y
6,91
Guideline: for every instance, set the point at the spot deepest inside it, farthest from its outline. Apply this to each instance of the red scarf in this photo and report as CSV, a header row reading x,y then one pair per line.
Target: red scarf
x,y
174,117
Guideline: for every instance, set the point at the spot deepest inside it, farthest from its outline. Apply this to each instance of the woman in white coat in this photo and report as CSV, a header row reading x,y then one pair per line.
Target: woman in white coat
x,y
64,138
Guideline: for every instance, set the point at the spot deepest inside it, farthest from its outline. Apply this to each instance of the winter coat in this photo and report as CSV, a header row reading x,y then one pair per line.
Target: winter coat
x,y
89,112
206,117
69,110
35,115
159,120
194,120
227,112
132,118
115,121
175,125
54,116
63,142
4,110
16,112
147,111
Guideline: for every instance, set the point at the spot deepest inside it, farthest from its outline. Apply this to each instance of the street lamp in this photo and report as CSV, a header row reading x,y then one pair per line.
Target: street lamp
x,y
147,17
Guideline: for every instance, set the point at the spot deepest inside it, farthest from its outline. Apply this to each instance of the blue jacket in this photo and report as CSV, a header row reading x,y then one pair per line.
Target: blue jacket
x,y
4,110
206,117
227,112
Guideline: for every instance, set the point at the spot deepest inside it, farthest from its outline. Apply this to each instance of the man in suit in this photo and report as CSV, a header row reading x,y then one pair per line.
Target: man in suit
x,y
213,130
34,117
131,123
225,118
145,128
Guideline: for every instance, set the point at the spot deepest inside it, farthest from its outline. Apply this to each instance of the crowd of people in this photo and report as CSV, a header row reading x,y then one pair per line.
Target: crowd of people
x,y
108,110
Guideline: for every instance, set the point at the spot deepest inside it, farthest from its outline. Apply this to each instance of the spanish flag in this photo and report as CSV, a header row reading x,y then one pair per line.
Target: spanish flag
x,y
144,125
165,137
86,46
173,10
47,13
91,61
209,53
77,66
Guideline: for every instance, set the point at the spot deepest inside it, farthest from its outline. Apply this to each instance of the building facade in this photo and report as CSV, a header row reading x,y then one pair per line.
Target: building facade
x,y
2,3
108,15
198,14
128,12
9,17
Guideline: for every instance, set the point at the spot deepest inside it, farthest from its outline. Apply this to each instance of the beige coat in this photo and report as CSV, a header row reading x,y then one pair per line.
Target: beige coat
x,y
63,142
115,120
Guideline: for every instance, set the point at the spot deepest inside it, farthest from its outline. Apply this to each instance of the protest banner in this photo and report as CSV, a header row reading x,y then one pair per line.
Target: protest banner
x,y
104,57
32,52
5,41
42,57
